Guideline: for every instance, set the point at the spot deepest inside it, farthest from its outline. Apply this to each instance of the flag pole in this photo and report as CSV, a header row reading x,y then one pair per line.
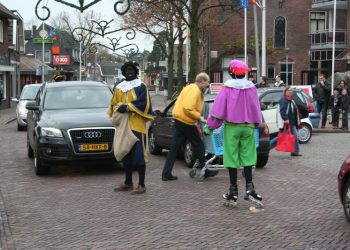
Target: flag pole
x,y
333,43
80,61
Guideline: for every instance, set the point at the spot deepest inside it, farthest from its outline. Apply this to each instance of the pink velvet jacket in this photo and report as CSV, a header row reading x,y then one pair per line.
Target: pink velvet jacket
x,y
237,102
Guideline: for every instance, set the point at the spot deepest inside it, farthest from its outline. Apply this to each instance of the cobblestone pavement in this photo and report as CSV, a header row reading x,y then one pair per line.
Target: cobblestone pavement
x,y
75,207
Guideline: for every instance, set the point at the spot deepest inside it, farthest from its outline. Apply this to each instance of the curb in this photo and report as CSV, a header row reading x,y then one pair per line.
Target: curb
x,y
327,131
10,120
6,240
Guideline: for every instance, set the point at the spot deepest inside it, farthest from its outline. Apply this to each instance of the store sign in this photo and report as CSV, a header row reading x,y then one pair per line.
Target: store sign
x,y
40,40
215,88
61,60
55,50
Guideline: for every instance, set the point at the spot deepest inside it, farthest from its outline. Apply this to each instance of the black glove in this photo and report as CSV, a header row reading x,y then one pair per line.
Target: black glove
x,y
123,108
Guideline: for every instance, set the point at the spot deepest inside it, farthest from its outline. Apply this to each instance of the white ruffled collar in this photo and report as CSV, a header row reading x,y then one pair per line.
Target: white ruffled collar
x,y
239,84
125,86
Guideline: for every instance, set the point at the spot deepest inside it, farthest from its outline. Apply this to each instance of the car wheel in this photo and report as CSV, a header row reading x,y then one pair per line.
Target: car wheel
x,y
40,168
20,128
305,133
189,154
30,152
262,161
346,199
153,148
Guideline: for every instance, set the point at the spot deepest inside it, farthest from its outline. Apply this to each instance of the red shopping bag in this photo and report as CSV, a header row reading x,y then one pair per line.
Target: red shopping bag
x,y
286,140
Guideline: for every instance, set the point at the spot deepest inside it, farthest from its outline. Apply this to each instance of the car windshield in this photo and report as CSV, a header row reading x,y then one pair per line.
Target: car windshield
x,y
82,97
29,93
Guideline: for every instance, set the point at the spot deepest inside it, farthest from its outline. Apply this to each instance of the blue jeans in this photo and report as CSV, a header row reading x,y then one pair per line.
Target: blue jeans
x,y
273,141
344,123
322,107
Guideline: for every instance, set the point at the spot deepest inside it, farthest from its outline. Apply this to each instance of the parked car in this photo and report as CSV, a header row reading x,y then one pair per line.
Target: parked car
x,y
160,134
28,93
344,186
67,121
269,99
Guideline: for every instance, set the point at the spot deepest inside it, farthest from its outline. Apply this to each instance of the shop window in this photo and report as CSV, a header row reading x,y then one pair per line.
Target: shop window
x,y
2,87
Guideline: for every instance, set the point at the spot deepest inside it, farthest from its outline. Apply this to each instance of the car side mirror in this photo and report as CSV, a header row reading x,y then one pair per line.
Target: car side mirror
x,y
32,106
263,106
13,99
157,112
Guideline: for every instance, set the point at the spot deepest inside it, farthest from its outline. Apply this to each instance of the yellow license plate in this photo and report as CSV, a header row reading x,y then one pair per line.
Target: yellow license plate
x,y
93,147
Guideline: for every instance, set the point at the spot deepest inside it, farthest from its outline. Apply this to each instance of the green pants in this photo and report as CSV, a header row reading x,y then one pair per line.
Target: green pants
x,y
239,145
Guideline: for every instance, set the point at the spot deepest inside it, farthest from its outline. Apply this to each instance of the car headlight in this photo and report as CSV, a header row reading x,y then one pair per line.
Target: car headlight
x,y
52,132
22,110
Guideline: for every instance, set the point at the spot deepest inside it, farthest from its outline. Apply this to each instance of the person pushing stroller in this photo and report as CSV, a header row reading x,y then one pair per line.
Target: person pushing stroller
x,y
237,106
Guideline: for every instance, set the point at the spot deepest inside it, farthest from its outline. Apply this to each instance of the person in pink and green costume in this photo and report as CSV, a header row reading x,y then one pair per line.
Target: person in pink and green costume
x,y
237,106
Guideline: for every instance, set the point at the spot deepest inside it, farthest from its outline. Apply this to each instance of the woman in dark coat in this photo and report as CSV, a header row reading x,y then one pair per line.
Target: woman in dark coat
x,y
289,114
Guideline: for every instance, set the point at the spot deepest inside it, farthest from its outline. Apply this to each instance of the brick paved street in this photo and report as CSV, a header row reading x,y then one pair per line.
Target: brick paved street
x,y
75,207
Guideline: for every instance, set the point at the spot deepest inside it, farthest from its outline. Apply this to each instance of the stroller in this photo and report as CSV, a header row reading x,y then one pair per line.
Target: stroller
x,y
214,147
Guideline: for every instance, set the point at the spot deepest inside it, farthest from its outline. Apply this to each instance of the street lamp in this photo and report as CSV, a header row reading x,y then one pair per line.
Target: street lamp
x,y
95,65
287,73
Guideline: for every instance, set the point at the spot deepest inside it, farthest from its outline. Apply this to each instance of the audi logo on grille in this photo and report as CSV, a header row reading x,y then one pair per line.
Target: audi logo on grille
x,y
92,135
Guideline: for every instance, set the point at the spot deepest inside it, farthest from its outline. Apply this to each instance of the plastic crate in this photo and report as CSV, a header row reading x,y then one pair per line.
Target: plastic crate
x,y
256,136
214,144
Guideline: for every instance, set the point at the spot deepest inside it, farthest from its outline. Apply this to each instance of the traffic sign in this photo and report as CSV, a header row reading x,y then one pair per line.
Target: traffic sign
x,y
244,4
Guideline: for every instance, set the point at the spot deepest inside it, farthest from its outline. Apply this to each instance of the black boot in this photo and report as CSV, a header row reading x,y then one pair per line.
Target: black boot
x,y
252,195
232,194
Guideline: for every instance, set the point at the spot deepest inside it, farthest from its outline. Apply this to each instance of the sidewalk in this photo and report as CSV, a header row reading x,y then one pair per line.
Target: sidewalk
x,y
7,115
159,101
329,129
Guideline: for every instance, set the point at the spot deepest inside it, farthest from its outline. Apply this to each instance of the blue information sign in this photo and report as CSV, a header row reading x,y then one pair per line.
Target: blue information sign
x,y
244,4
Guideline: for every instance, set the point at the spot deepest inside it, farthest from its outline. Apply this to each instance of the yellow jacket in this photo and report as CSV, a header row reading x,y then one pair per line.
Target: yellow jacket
x,y
139,105
189,104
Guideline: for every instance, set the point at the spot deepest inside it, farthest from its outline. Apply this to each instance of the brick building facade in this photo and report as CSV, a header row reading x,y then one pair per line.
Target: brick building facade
x,y
299,55
11,46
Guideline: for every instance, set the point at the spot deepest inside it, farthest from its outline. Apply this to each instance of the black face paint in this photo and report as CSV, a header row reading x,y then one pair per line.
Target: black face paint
x,y
130,73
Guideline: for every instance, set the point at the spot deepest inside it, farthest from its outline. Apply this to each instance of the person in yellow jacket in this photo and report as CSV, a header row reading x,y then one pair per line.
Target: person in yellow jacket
x,y
187,112
131,96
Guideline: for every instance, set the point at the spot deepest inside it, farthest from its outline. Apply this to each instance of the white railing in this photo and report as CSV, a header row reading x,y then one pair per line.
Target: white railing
x,y
325,1
321,38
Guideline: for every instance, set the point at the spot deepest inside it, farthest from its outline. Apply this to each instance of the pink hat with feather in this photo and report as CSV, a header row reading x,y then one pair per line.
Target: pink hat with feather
x,y
238,67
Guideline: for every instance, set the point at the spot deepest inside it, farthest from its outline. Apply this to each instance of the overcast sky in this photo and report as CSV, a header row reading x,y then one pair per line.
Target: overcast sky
x,y
26,8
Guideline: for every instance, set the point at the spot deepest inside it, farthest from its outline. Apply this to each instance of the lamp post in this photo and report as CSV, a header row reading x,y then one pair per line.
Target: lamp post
x,y
263,38
43,34
287,73
95,66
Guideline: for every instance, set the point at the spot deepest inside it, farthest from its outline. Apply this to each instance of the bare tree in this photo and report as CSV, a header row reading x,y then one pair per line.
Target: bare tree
x,y
156,19
68,23
191,12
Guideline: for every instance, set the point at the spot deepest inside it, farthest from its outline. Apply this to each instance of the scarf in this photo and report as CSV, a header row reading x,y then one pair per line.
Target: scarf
x,y
335,100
